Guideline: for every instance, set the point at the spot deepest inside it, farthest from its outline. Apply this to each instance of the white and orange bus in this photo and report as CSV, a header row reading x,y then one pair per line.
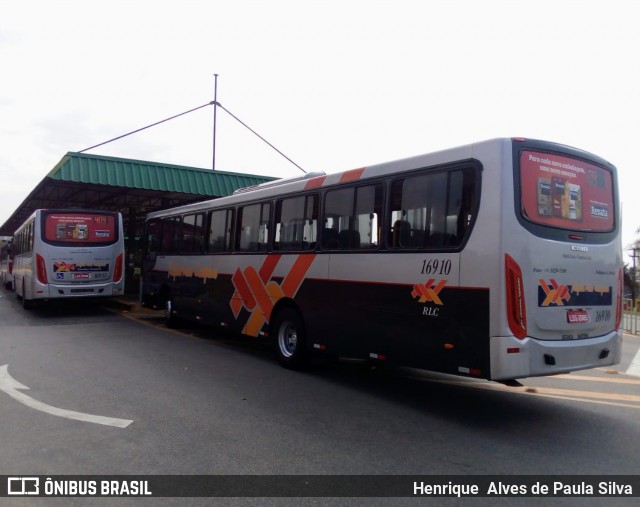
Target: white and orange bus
x,y
68,253
498,260
6,264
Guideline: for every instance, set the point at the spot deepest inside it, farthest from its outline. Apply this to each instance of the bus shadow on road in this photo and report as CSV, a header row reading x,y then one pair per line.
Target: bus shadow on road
x,y
54,311
507,414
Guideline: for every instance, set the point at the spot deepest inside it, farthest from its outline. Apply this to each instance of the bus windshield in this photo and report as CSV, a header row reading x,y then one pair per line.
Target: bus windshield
x,y
566,193
64,228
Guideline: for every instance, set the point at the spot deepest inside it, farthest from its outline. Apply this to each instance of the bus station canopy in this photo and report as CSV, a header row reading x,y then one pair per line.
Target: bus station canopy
x,y
133,187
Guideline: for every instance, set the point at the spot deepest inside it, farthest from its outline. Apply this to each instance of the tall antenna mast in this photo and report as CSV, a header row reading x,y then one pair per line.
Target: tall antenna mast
x,y
215,111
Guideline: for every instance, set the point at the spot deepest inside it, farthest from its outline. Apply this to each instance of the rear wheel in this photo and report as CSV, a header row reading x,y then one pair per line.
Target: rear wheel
x,y
27,304
290,339
170,320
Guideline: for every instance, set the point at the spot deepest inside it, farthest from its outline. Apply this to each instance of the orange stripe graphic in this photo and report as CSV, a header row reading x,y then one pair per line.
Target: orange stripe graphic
x,y
259,291
293,280
352,175
258,295
243,289
315,182
268,267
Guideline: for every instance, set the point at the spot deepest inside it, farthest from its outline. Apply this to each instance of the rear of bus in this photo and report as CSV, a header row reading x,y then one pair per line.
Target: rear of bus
x,y
6,266
562,263
79,254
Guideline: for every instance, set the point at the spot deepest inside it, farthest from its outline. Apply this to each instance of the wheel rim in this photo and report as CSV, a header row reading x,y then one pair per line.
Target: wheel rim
x,y
287,338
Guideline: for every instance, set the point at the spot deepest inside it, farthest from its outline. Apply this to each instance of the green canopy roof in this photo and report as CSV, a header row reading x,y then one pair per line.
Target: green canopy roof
x,y
98,182
120,172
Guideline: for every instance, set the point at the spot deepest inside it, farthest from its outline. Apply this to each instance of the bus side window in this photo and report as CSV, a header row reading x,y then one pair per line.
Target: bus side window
x,y
220,224
329,234
352,218
431,210
154,228
30,232
400,233
338,209
467,201
253,232
198,234
296,223
367,213
192,234
170,235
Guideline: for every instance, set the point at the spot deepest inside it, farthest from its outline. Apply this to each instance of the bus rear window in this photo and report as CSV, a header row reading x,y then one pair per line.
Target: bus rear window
x,y
79,228
566,193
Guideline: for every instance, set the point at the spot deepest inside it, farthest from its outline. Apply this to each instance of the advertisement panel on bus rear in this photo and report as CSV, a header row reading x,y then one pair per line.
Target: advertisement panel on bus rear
x,y
566,192
79,228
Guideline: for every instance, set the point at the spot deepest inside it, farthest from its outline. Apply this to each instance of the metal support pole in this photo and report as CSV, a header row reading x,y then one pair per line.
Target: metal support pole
x,y
215,114
634,278
131,248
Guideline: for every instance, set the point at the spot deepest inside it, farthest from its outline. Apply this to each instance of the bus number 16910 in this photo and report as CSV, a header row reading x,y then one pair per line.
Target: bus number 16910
x,y
436,267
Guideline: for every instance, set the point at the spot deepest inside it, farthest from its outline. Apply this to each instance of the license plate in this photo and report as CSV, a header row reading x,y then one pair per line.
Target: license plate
x,y
577,316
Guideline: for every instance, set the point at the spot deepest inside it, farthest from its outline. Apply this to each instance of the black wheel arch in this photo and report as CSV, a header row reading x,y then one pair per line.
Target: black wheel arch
x,y
278,308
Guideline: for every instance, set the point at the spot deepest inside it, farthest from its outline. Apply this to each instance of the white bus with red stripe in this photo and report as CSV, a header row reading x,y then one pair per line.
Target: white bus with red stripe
x,y
68,253
498,260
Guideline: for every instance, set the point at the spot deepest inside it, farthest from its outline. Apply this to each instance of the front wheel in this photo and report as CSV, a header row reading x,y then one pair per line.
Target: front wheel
x,y
290,339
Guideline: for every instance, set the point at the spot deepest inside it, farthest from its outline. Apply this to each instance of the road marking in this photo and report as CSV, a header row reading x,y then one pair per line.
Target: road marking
x,y
612,399
614,379
10,386
547,391
634,367
583,400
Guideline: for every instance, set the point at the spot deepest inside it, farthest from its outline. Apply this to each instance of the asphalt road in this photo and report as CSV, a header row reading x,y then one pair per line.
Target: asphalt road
x,y
201,402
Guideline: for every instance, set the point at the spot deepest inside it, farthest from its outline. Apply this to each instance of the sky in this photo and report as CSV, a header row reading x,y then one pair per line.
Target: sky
x,y
333,84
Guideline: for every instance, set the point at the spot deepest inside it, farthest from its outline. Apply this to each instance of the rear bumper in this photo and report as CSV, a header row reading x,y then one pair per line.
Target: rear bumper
x,y
85,290
512,358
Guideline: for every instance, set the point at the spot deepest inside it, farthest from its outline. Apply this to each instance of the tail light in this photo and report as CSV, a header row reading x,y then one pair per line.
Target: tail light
x,y
619,300
41,269
516,308
117,270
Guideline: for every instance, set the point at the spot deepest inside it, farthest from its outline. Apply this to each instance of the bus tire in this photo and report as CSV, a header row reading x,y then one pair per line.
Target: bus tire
x,y
27,304
170,320
288,329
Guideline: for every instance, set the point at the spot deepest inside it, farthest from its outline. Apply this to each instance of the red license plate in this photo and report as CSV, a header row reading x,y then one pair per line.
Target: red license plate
x,y
577,316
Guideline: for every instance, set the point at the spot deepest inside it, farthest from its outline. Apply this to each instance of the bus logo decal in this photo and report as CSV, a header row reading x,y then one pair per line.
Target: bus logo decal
x,y
257,294
428,292
64,267
574,293
554,293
